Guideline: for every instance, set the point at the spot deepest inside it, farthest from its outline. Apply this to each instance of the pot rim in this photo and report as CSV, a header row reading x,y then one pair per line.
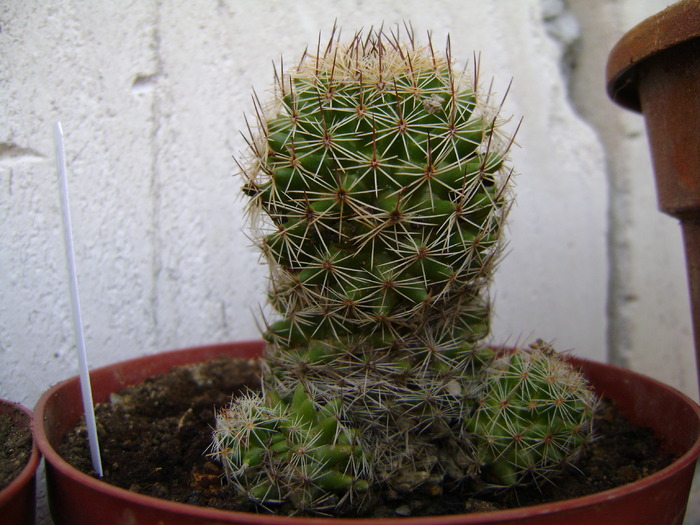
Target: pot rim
x,y
29,470
678,23
54,460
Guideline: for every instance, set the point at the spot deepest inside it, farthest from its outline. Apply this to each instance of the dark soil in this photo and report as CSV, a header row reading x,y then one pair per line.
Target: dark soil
x,y
154,437
16,448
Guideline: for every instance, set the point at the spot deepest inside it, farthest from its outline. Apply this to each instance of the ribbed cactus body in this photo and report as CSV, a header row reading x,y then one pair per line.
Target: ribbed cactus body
x,y
534,416
380,177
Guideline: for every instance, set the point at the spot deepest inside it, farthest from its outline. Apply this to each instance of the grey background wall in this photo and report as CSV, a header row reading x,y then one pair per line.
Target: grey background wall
x,y
151,96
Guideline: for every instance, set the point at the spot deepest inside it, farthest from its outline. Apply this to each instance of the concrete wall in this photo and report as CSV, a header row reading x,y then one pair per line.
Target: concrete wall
x,y
151,97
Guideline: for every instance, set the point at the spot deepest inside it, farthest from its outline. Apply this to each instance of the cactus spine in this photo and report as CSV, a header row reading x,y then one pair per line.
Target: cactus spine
x,y
378,186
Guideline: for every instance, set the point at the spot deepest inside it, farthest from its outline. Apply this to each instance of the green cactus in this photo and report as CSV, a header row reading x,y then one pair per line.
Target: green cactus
x,y
379,174
534,416
289,451
378,184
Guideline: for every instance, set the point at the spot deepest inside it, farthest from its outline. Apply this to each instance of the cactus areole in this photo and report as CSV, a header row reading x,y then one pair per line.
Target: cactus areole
x,y
378,185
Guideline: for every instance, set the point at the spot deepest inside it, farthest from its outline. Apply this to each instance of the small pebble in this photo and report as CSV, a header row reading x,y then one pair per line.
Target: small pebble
x,y
403,511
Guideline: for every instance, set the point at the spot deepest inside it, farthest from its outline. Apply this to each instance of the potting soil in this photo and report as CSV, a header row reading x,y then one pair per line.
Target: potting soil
x,y
154,439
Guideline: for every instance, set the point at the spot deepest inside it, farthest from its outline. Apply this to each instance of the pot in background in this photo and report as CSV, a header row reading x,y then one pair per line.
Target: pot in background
x,y
18,499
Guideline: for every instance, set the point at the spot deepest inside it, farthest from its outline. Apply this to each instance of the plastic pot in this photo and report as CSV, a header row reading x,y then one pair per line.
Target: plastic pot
x,y
655,69
76,498
18,499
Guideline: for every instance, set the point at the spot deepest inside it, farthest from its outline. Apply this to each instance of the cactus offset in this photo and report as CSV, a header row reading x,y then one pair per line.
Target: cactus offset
x,y
289,451
534,416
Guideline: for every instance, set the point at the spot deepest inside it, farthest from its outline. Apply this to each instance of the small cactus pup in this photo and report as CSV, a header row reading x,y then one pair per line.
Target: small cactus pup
x,y
534,416
279,451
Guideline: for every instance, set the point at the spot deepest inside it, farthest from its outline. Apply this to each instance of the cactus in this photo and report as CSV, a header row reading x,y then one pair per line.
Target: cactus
x,y
378,185
289,451
533,417
380,175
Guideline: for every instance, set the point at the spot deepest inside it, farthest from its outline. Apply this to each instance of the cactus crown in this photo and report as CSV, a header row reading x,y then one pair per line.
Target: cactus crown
x,y
380,176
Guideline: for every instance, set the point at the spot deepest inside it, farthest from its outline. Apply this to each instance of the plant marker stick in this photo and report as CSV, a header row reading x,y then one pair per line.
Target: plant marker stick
x,y
75,303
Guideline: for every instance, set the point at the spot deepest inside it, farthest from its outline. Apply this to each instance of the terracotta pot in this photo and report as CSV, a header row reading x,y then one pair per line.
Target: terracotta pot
x,y
76,498
655,69
18,499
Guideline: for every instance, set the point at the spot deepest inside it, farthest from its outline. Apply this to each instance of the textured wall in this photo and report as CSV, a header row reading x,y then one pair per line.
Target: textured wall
x,y
151,97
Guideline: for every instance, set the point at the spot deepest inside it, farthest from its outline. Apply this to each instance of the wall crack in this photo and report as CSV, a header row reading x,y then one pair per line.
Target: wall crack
x,y
12,154
142,84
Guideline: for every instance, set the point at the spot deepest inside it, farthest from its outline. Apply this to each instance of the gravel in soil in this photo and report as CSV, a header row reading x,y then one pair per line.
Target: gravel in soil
x,y
16,448
154,437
